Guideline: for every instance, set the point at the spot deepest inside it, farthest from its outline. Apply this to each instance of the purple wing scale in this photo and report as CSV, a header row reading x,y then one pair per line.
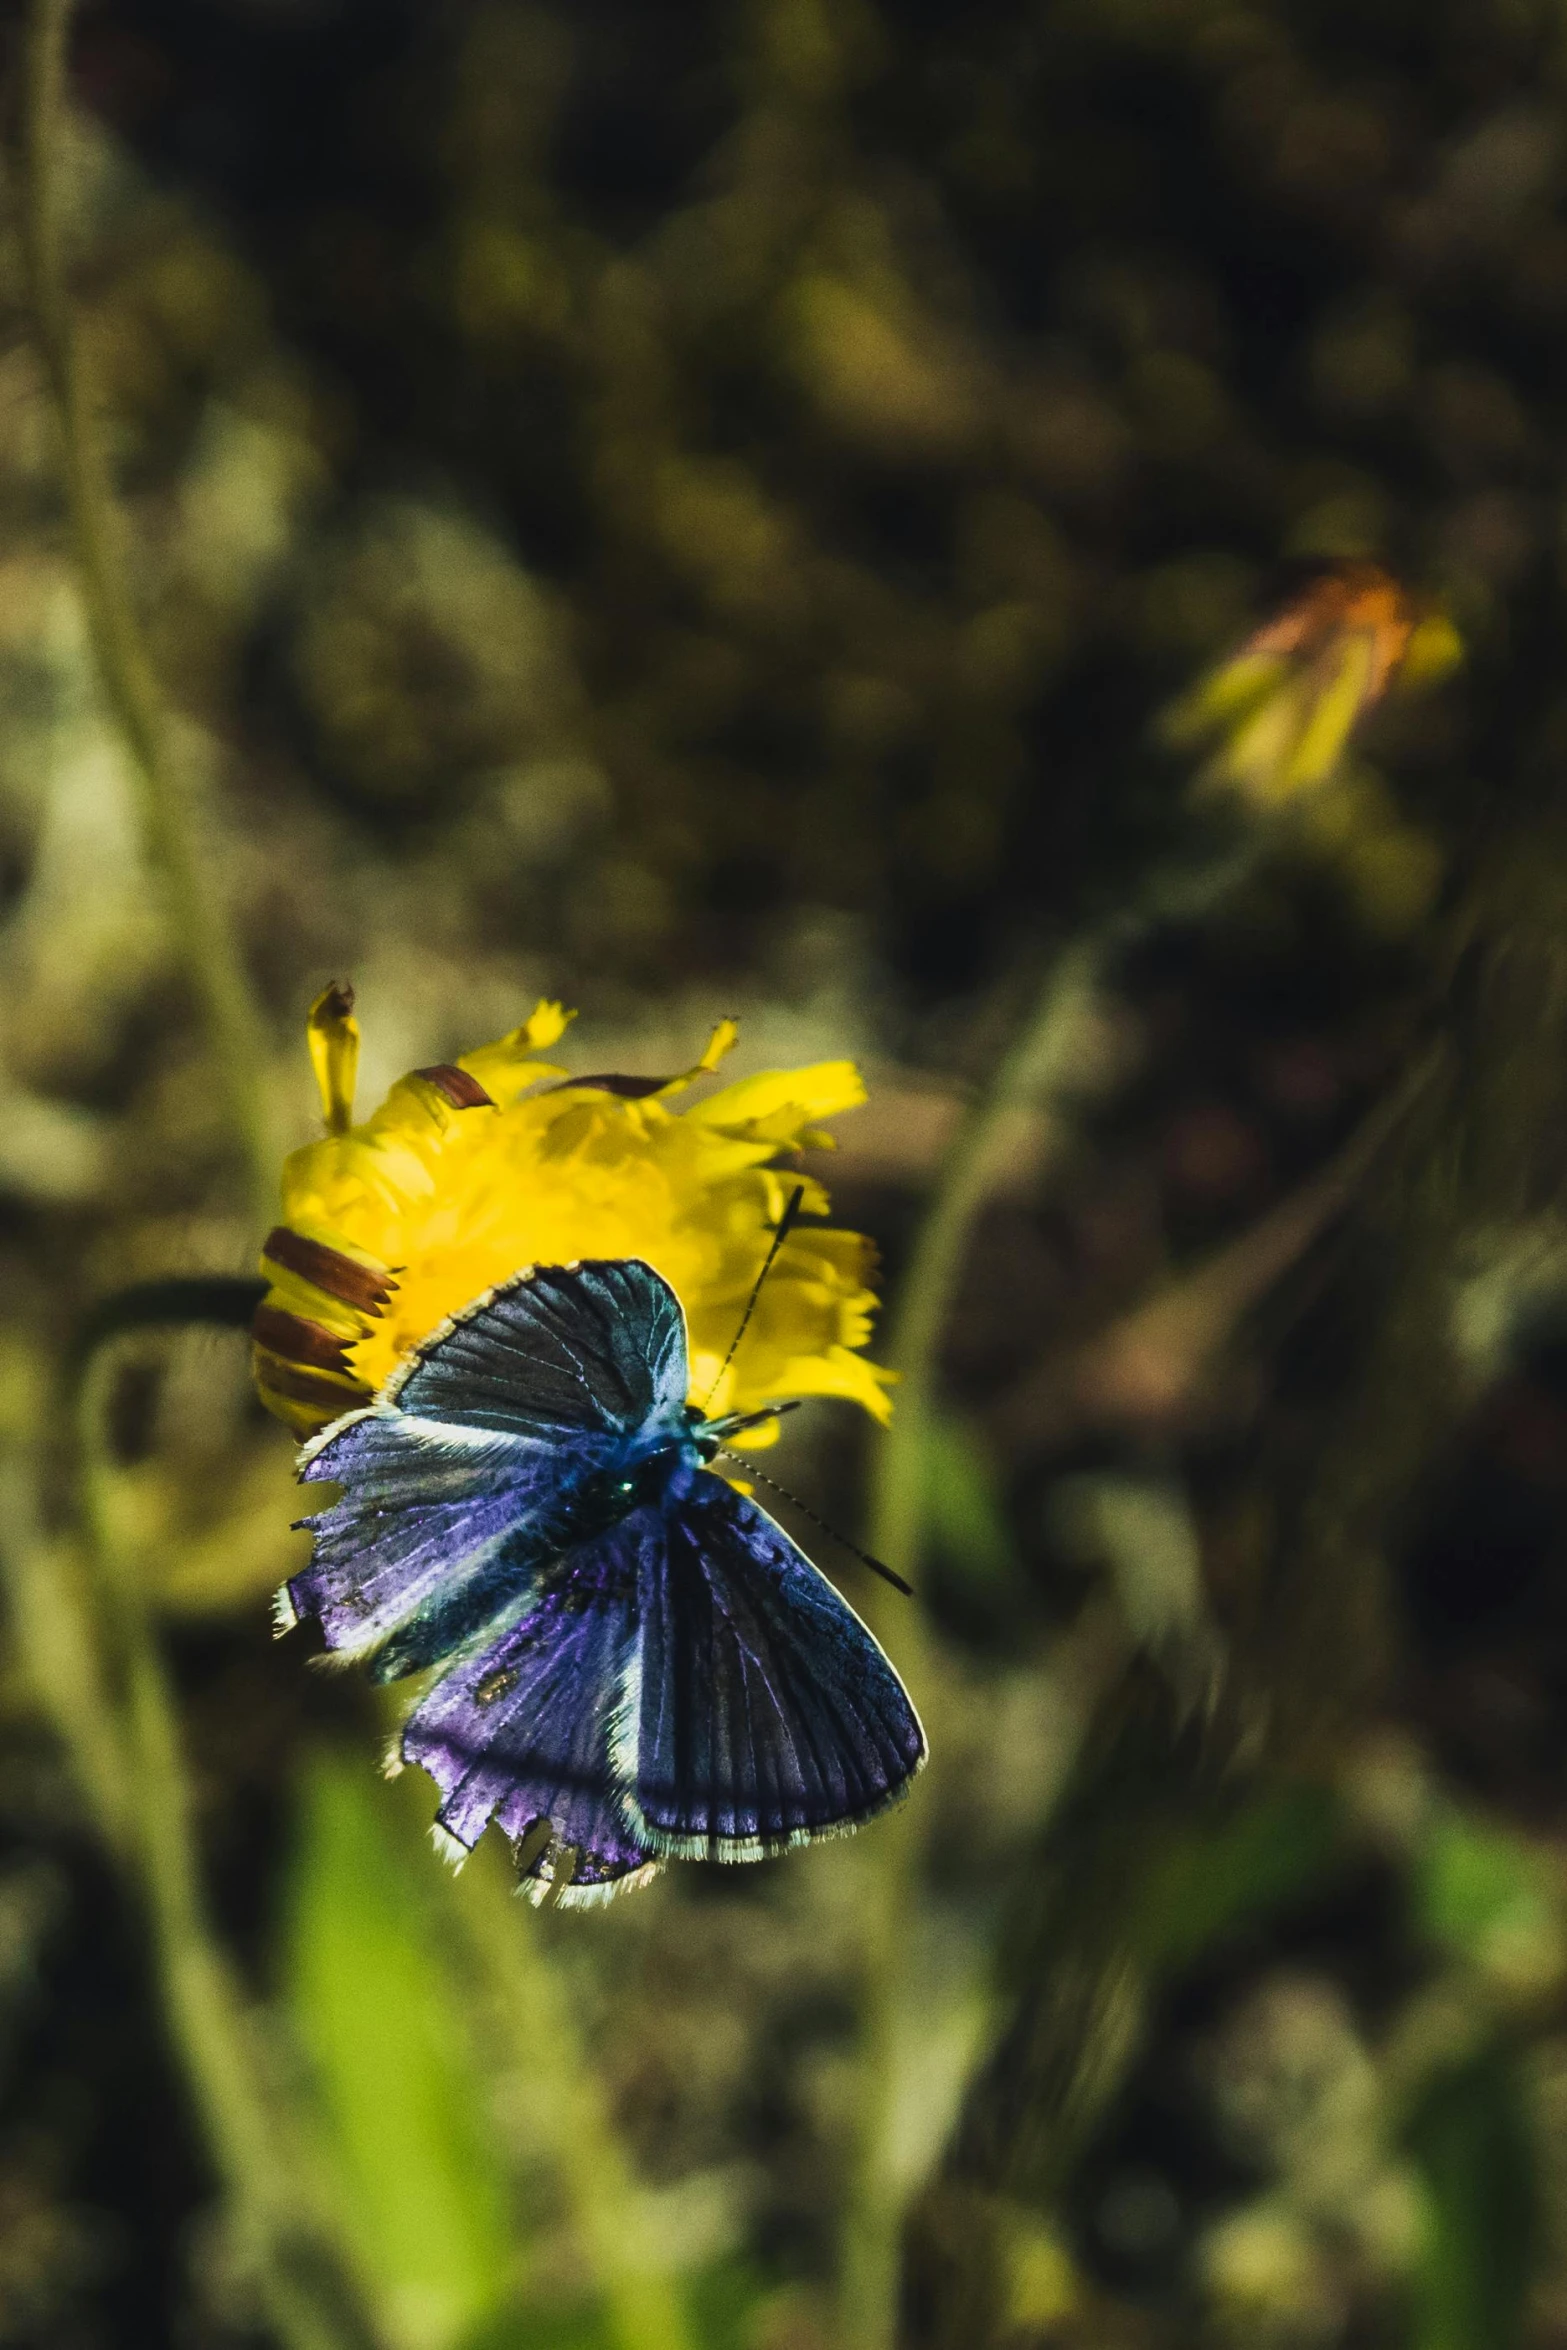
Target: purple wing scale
x,y
526,1731
598,1347
677,1681
437,1527
767,1714
458,1481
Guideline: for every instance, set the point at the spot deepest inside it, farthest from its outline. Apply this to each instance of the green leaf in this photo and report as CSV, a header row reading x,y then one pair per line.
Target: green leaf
x,y
1473,2145
422,2187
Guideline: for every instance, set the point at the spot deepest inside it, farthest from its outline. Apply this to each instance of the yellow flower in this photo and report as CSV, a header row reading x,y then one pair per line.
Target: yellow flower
x,y
471,1172
1280,711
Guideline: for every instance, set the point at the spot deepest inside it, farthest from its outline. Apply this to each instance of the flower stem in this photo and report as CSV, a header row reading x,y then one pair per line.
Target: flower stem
x,y
1044,1051
1031,1078
49,1618
212,963
533,2019
310,2295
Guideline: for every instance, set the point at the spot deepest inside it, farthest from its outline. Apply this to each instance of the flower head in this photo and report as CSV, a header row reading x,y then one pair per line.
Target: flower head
x,y
473,1171
1281,710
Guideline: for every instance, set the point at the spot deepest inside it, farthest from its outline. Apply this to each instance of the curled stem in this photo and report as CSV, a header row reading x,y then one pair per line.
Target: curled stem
x,y
310,2295
131,694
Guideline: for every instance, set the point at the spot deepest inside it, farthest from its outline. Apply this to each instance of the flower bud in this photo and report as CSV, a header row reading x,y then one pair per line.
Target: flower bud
x,y
1280,712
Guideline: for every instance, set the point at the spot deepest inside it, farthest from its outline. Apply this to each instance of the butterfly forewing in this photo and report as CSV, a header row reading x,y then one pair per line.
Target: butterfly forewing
x,y
459,1480
597,1346
427,1516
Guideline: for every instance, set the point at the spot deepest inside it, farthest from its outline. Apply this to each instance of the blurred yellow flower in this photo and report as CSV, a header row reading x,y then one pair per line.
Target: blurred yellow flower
x,y
470,1172
1281,710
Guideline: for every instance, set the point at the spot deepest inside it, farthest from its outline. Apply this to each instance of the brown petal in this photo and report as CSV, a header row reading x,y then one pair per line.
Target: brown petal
x,y
461,1090
631,1089
364,1287
299,1341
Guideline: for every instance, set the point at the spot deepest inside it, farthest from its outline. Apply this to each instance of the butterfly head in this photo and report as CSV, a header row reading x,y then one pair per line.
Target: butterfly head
x,y
660,1472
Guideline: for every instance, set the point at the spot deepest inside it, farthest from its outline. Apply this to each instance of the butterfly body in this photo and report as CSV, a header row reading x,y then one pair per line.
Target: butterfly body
x,y
638,1664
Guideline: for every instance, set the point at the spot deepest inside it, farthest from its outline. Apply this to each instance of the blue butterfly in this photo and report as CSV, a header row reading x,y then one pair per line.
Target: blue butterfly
x,y
639,1663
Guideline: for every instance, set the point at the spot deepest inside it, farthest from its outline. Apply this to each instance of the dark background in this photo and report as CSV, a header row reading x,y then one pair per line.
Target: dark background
x,y
699,509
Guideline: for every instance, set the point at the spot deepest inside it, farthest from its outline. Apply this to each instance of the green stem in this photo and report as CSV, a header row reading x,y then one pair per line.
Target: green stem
x,y
50,1620
311,2298
1031,1069
533,2019
1028,1075
130,689
1029,1080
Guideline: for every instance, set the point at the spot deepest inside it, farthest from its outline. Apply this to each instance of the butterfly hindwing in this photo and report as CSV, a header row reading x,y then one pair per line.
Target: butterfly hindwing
x,y
525,1731
767,1714
458,1481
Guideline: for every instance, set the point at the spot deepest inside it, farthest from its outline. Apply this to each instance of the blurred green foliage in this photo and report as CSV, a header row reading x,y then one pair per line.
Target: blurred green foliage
x,y
1208,1882
697,511
965,1515
401,2092
1474,2145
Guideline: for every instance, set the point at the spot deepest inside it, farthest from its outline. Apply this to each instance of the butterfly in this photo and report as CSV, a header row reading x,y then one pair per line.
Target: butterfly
x,y
638,1663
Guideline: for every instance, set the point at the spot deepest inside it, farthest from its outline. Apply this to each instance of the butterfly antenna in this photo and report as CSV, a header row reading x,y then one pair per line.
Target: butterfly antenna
x,y
781,1232
831,1532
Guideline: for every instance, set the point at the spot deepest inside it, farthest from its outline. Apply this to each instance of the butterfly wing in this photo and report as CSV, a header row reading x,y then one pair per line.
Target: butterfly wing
x,y
458,1480
598,1346
434,1524
526,1731
766,1714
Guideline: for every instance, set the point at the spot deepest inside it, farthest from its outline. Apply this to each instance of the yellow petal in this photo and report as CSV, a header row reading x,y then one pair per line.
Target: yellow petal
x,y
1434,648
842,1374
333,1035
725,1036
723,1040
1223,697
777,1104
1332,715
546,1024
507,1067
